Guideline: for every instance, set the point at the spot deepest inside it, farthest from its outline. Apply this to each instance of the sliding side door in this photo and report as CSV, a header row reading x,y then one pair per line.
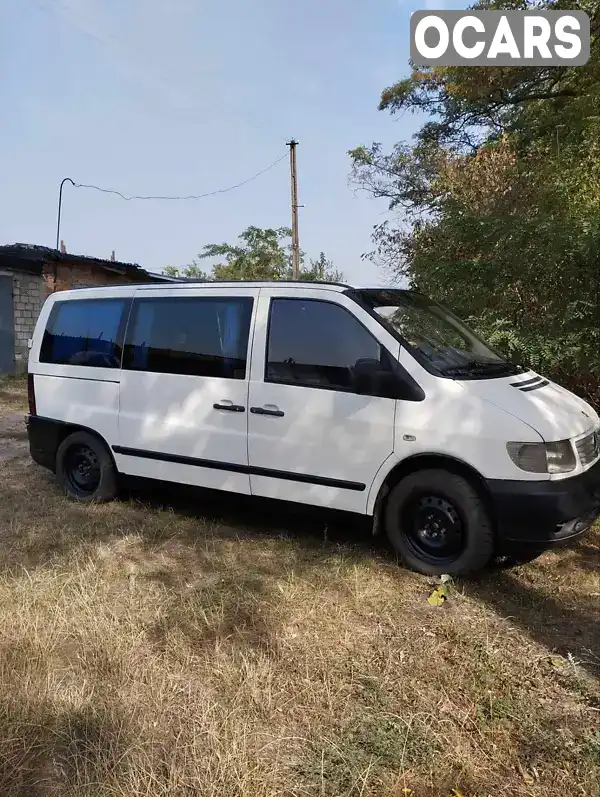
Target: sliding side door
x,y
184,387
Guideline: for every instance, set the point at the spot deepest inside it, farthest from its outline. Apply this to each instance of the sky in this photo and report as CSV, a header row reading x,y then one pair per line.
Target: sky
x,y
180,97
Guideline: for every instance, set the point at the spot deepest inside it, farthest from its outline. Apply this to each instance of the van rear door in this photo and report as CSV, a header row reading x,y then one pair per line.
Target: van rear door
x,y
184,387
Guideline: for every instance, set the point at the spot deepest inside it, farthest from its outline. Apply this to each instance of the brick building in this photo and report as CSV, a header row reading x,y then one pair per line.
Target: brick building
x,y
29,273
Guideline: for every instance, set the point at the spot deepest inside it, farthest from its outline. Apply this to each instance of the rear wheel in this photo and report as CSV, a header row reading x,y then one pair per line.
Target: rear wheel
x,y
85,469
437,523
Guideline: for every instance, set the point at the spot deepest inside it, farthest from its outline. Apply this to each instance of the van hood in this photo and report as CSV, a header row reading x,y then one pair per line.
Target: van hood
x,y
555,413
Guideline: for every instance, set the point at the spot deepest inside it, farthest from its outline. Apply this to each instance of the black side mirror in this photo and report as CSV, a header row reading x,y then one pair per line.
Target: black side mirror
x,y
372,378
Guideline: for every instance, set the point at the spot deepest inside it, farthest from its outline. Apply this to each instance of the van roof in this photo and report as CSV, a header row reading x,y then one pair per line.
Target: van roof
x,y
337,287
259,283
193,283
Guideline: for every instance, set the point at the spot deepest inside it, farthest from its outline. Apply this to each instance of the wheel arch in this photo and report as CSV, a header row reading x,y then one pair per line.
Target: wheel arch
x,y
56,432
427,461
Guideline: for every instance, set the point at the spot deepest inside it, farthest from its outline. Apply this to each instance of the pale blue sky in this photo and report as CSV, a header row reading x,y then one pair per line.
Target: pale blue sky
x,y
187,96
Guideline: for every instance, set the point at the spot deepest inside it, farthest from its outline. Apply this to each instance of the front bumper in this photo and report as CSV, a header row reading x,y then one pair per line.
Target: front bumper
x,y
546,513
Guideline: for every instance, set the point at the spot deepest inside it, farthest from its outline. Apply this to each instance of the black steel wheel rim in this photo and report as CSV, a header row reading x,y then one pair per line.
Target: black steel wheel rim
x,y
434,528
82,469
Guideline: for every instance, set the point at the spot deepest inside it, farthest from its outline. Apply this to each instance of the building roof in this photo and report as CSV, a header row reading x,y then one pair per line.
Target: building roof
x,y
31,258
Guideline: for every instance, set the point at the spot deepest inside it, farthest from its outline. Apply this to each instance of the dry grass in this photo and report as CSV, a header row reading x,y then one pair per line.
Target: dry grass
x,y
153,651
13,394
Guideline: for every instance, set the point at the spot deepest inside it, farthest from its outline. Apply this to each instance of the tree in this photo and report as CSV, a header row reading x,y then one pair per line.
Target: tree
x,y
495,206
262,254
321,270
193,271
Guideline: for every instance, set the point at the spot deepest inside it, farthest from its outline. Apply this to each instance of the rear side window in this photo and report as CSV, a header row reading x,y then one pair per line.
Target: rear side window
x,y
198,336
85,332
316,344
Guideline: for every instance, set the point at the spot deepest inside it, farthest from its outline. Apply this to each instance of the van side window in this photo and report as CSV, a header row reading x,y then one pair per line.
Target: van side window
x,y
85,332
315,343
198,336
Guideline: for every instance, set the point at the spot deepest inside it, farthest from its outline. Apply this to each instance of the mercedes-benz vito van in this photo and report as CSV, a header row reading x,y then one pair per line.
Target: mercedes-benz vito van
x,y
378,402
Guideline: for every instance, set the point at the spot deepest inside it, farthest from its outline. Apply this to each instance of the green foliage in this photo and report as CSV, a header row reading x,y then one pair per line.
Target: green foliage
x,y
193,271
262,254
496,204
322,270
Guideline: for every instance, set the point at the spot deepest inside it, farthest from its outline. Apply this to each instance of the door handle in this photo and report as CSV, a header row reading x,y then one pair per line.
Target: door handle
x,y
229,407
268,410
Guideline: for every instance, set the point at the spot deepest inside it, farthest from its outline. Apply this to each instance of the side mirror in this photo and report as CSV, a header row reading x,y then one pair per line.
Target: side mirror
x,y
371,378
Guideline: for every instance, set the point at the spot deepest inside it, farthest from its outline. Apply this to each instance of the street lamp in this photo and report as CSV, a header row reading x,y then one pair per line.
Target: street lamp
x,y
66,180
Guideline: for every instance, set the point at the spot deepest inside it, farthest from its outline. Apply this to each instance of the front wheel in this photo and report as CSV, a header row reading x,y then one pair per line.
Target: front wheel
x,y
437,524
85,469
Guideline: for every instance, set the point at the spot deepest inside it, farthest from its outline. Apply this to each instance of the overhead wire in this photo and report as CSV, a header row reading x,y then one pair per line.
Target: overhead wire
x,y
182,198
55,5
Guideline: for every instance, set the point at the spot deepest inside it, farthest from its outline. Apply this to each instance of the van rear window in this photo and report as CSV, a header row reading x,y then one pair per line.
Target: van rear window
x,y
85,332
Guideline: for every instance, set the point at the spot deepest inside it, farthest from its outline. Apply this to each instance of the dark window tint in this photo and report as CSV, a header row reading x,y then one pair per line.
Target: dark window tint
x,y
85,332
197,336
317,344
439,340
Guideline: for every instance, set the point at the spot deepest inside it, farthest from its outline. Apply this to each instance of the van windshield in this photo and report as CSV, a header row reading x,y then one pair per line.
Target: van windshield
x,y
437,338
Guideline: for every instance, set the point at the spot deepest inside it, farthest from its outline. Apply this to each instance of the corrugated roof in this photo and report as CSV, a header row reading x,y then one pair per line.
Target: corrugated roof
x,y
36,252
44,254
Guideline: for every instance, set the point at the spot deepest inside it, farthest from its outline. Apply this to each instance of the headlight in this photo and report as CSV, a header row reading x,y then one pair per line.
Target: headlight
x,y
560,457
543,457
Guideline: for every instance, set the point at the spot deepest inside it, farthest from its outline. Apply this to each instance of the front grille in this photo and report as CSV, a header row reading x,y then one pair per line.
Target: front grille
x,y
588,448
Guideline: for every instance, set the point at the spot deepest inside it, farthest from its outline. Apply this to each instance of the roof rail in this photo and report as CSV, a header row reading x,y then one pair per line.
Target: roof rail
x,y
274,282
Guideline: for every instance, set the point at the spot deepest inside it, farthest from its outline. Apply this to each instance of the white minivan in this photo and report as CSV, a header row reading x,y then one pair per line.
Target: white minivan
x,y
373,401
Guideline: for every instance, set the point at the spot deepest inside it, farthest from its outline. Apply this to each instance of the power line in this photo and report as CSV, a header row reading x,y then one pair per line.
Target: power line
x,y
182,198
168,198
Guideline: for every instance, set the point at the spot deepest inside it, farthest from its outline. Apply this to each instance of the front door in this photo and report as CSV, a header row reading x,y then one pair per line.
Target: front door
x,y
184,387
7,338
311,437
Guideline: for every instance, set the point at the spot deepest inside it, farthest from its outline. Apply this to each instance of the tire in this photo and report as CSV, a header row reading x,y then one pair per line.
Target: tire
x,y
437,523
82,453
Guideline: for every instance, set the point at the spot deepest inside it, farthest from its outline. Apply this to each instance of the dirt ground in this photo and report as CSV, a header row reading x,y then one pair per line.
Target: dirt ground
x,y
13,436
13,406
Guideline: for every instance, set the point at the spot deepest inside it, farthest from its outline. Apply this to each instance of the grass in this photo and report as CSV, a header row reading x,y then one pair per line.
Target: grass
x,y
13,394
215,646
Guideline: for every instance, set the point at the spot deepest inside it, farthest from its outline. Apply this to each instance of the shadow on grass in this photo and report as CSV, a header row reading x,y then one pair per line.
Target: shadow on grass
x,y
316,534
46,746
550,618
248,516
238,594
233,588
187,542
214,563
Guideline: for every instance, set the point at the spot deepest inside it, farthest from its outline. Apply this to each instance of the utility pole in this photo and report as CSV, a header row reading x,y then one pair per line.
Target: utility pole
x,y
295,238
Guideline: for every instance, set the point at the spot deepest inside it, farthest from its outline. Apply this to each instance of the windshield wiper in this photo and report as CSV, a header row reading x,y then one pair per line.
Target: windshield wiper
x,y
478,368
